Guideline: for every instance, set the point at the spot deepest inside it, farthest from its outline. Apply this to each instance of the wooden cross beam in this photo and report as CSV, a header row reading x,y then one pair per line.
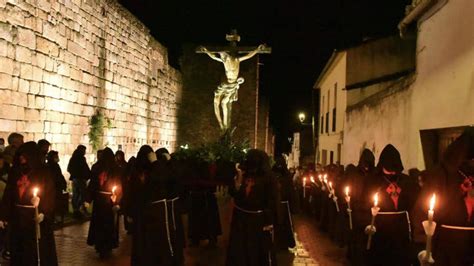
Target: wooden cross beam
x,y
239,50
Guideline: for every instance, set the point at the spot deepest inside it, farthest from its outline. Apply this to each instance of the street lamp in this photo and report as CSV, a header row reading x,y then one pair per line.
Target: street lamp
x,y
302,117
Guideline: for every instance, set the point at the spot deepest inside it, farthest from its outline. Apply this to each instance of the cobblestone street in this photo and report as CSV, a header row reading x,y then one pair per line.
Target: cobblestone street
x,y
314,248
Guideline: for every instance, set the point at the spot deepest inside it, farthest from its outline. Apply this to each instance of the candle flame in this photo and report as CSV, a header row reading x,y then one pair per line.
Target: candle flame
x,y
320,178
113,189
376,199
325,179
304,181
330,184
312,179
432,202
347,191
35,191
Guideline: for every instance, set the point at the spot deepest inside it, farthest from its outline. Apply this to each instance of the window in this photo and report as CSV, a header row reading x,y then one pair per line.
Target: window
x,y
334,119
322,124
327,122
331,157
324,157
335,94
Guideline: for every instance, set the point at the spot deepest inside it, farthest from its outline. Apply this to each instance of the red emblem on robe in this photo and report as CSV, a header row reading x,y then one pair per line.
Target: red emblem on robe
x,y
22,184
394,191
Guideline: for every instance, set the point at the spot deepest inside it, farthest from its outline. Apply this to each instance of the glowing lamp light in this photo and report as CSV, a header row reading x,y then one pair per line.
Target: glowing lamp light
x,y
312,179
35,192
302,117
320,178
330,184
114,188
347,191
376,199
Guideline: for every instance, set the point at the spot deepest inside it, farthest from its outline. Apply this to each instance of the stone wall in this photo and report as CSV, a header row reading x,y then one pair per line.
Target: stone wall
x,y
62,61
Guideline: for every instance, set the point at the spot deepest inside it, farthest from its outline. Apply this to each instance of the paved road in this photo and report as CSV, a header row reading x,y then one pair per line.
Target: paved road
x,y
314,248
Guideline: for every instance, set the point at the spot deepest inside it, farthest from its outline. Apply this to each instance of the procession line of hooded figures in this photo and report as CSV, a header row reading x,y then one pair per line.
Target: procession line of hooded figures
x,y
398,236
151,191
154,189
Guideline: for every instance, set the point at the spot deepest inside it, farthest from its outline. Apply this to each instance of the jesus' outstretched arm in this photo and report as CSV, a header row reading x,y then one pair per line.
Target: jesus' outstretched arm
x,y
261,47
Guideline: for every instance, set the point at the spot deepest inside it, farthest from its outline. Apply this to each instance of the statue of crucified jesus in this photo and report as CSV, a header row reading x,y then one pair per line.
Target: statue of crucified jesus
x,y
226,92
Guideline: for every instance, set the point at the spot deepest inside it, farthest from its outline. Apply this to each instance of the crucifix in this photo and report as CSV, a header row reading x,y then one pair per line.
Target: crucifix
x,y
230,56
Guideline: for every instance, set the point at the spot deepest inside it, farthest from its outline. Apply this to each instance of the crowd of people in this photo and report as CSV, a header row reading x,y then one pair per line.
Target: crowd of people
x,y
378,212
152,190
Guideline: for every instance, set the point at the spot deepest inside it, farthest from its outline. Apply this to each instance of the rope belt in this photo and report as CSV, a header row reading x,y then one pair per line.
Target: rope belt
x,y
248,211
398,213
464,228
25,206
289,214
168,234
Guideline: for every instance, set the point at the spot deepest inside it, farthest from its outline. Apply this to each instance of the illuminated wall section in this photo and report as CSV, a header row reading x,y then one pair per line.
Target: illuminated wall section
x,y
62,61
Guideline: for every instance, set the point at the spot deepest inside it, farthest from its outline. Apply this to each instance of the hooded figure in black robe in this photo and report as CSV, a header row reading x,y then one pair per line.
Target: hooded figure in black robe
x,y
104,191
256,211
391,241
62,200
452,181
284,234
356,177
140,173
164,238
203,216
29,172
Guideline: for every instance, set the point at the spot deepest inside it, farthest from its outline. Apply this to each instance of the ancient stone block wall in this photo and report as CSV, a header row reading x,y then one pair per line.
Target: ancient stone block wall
x,y
63,60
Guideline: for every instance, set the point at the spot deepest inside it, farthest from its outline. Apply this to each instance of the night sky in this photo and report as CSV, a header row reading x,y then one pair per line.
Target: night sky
x,y
302,34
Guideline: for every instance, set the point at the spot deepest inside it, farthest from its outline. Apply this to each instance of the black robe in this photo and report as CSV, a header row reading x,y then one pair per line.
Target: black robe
x,y
284,234
163,239
450,247
20,219
391,243
203,215
103,229
249,245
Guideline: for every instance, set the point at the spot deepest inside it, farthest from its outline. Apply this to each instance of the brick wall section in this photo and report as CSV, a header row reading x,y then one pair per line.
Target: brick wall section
x,y
60,61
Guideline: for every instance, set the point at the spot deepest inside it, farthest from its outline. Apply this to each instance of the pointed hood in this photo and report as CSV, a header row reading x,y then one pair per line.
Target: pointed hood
x,y
390,159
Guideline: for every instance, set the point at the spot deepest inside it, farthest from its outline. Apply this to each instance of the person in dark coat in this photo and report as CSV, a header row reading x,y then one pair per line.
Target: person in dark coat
x,y
452,181
256,211
203,216
356,177
60,184
104,191
18,208
391,241
164,238
140,173
80,173
284,233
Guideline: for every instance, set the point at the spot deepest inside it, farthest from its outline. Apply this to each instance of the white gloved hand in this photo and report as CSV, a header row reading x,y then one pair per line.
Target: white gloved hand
x,y
35,201
116,208
40,218
370,229
425,260
152,157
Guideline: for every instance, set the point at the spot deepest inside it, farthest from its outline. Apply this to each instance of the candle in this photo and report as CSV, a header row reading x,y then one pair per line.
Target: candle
x,y
375,211
431,210
429,226
304,187
114,196
349,211
37,225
